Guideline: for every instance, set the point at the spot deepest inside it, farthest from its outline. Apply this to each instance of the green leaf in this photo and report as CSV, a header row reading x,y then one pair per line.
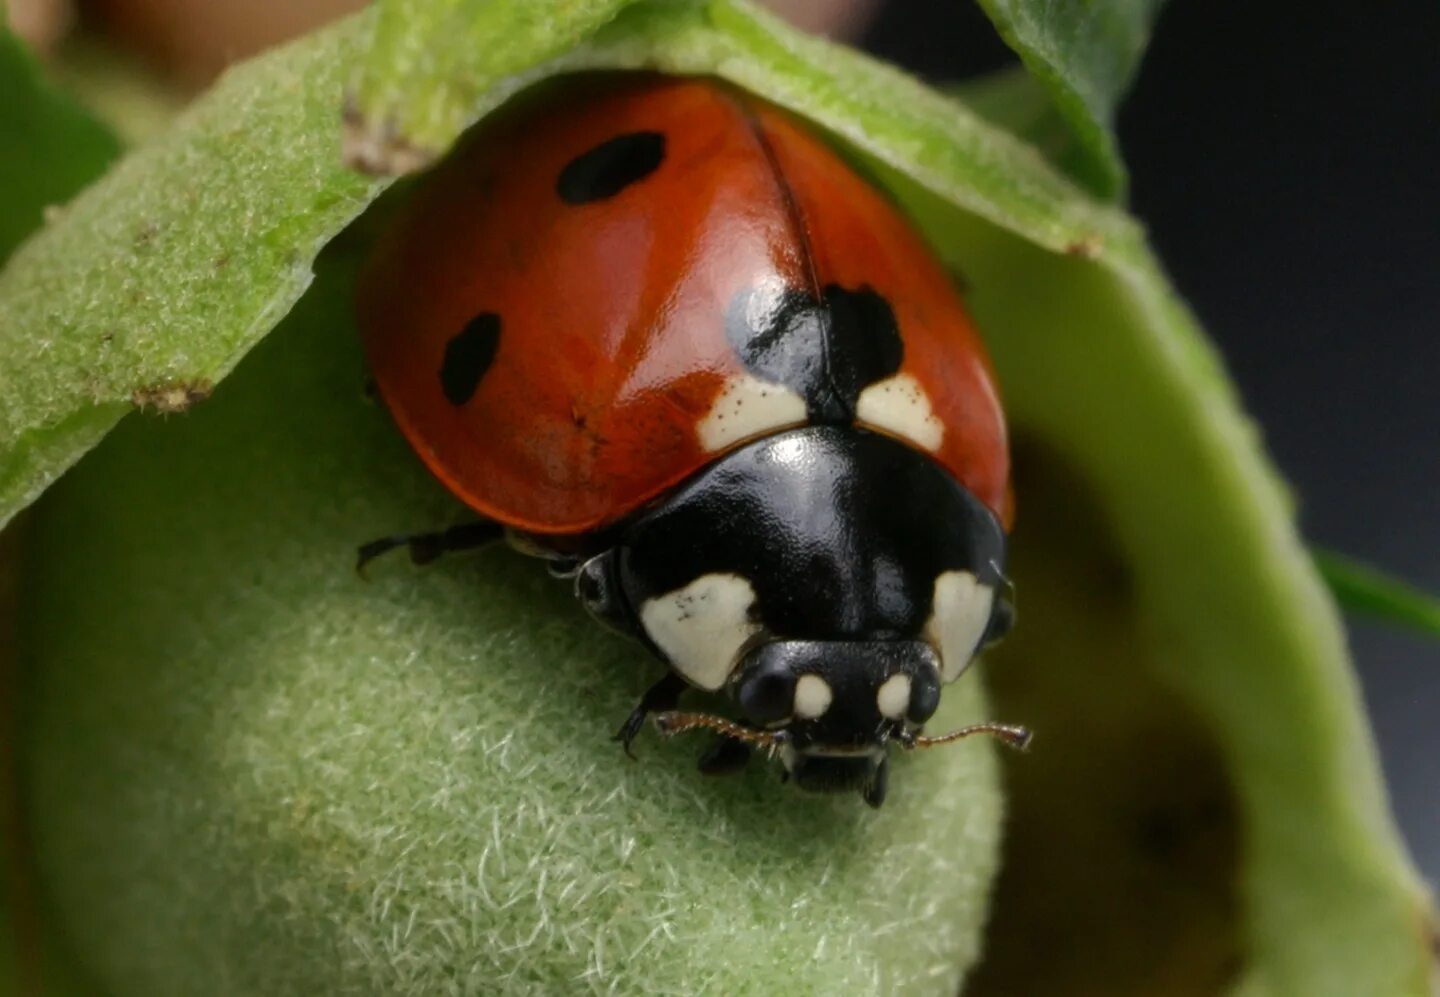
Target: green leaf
x,y
1364,590
888,115
151,285
49,148
430,63
1084,54
1013,100
302,769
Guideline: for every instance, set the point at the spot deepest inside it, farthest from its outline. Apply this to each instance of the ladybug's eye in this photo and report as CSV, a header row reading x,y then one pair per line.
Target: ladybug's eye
x,y
924,695
598,592
590,585
769,696
1002,618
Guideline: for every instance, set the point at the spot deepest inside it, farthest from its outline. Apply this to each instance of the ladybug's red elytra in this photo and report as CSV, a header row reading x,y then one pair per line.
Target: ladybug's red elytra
x,y
656,331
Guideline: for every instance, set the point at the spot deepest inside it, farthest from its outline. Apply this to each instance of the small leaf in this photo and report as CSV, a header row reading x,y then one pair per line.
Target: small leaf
x,y
1084,53
1369,592
49,147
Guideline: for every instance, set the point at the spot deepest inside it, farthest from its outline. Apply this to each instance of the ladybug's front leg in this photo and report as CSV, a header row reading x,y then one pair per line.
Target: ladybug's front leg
x,y
725,756
426,547
660,697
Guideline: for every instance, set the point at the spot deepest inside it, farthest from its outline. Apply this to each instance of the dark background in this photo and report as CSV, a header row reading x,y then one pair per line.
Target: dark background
x,y
1286,159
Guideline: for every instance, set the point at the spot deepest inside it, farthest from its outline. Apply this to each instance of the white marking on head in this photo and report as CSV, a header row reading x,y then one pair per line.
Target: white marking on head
x,y
812,697
899,405
958,618
702,627
747,407
893,696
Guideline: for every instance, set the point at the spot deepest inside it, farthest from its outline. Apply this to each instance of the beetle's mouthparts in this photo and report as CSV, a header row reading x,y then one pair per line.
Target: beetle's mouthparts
x,y
672,722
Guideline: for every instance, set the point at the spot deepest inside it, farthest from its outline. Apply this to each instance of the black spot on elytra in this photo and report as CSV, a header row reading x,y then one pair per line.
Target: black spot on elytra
x,y
468,356
610,167
828,350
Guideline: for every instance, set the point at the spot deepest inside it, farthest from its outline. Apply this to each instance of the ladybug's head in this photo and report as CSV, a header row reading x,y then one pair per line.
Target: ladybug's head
x,y
831,709
836,705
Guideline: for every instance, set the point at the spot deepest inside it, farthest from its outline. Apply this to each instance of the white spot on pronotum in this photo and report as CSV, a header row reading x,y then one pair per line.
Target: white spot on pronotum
x,y
812,697
893,696
960,612
747,407
899,405
702,626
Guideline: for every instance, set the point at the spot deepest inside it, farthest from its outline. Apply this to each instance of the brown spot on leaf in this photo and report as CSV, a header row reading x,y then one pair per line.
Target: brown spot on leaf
x,y
171,396
1087,248
375,146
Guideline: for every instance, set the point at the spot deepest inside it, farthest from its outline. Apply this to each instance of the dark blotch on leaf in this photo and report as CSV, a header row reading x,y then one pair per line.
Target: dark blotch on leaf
x,y
1124,854
468,356
610,167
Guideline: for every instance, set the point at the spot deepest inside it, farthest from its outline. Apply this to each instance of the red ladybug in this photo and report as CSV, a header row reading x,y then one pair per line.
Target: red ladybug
x,y
656,331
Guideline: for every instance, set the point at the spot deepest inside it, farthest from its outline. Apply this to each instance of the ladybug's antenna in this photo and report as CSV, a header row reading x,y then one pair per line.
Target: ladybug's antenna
x,y
1017,737
672,722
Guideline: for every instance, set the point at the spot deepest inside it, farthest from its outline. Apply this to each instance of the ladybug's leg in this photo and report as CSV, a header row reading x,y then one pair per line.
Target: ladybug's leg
x,y
726,755
426,547
663,695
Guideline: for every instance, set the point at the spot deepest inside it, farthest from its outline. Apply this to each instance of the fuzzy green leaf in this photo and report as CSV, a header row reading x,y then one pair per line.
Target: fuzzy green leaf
x,y
1362,589
1085,54
49,148
149,286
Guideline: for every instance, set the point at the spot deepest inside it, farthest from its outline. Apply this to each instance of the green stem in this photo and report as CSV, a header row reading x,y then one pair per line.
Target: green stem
x,y
1362,589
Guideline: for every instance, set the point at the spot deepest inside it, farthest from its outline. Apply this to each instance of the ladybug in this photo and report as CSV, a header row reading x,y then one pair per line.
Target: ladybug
x,y
657,332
